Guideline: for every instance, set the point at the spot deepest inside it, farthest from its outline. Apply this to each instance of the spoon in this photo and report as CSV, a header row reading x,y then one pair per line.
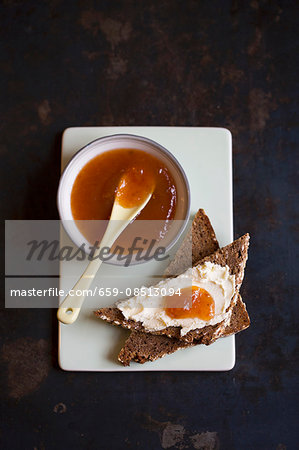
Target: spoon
x,y
120,218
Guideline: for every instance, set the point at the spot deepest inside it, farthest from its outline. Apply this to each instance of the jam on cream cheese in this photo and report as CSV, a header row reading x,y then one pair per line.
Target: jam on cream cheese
x,y
151,310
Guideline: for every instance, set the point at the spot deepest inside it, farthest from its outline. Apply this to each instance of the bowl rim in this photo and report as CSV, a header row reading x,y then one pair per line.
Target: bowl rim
x,y
155,144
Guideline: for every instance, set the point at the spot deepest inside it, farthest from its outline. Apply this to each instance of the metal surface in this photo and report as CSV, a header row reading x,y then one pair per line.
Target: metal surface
x,y
230,64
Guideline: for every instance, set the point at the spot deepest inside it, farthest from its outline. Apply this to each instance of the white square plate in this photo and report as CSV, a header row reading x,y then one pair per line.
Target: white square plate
x,y
206,156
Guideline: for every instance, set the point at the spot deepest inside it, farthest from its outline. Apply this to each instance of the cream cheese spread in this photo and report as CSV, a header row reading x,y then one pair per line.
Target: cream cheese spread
x,y
150,309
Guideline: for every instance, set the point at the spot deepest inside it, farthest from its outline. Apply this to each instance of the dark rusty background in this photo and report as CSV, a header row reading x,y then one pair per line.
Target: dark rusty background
x,y
194,63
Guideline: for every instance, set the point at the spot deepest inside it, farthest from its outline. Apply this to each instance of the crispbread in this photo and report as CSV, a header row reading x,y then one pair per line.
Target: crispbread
x,y
142,347
233,255
199,242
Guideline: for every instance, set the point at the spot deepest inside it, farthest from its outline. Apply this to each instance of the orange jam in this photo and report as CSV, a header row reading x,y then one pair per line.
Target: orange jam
x,y
130,175
193,303
135,186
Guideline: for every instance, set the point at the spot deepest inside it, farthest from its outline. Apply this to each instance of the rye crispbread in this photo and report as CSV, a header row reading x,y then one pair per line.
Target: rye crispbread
x,y
199,242
143,347
233,255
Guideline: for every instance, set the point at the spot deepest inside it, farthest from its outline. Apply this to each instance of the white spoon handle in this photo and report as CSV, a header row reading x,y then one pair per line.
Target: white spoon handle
x,y
120,217
71,305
